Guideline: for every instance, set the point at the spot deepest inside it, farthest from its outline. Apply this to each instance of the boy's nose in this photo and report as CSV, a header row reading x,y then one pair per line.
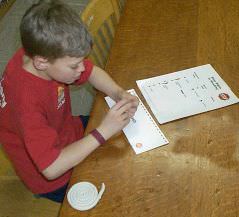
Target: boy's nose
x,y
81,68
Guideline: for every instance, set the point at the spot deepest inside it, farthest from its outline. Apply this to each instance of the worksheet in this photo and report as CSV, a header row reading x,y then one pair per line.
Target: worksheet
x,y
142,132
185,93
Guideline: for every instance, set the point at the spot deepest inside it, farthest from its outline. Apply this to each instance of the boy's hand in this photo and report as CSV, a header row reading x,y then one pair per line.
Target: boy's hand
x,y
133,99
116,119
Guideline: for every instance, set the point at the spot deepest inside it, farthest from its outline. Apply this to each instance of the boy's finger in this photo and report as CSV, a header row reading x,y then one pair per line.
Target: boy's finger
x,y
125,116
119,104
125,108
132,110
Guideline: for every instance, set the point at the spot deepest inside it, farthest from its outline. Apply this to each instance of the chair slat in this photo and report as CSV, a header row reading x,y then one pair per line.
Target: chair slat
x,y
101,18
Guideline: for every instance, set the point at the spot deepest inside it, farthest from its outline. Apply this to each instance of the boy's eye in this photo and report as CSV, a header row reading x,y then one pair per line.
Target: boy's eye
x,y
74,67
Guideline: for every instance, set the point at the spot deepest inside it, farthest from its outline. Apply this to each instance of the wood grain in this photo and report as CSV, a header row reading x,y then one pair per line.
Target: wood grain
x,y
197,173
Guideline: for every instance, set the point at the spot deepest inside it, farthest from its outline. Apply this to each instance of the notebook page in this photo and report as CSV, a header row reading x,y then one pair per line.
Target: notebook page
x,y
186,92
143,134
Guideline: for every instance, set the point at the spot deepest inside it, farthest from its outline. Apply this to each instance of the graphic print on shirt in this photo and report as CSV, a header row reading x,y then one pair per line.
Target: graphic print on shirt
x,y
60,96
3,102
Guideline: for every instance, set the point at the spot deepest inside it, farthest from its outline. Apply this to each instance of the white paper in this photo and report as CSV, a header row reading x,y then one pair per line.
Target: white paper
x,y
185,93
144,134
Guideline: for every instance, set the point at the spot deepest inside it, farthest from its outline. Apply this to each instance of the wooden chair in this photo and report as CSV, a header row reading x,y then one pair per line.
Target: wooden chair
x,y
119,5
5,6
101,18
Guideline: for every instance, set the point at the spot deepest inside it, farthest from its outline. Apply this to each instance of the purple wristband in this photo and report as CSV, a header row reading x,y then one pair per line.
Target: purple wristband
x,y
98,136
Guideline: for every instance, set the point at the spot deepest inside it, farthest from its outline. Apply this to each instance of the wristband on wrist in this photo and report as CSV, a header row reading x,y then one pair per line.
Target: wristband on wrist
x,y
98,136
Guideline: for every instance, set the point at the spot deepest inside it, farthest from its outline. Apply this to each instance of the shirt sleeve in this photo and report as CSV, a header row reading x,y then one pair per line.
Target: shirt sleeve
x,y
86,74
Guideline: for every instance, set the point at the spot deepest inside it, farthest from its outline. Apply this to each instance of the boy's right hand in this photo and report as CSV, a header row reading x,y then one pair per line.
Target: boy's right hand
x,y
116,119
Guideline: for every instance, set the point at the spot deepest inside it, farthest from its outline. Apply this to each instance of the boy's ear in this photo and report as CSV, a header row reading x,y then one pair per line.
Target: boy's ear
x,y
40,63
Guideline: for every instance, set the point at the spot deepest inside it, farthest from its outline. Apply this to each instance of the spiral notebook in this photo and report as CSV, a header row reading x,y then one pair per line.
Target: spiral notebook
x,y
142,132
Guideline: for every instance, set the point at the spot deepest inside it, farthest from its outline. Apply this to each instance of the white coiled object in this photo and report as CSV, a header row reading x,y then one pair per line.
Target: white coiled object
x,y
84,195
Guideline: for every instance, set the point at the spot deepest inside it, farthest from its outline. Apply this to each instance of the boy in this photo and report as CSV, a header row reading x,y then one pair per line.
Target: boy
x,y
37,130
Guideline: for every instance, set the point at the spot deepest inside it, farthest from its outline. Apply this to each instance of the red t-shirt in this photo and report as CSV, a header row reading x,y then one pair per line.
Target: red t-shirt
x,y
36,123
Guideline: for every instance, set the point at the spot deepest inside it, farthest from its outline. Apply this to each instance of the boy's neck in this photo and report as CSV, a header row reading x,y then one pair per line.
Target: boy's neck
x,y
29,67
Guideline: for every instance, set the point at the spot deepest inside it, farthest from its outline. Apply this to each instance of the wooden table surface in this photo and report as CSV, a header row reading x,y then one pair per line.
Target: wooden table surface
x,y
197,173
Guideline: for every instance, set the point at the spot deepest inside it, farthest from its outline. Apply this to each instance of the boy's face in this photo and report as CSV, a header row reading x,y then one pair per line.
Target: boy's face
x,y
66,69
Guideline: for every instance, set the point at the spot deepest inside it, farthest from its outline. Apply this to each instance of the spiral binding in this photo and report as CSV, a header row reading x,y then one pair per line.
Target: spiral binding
x,y
148,114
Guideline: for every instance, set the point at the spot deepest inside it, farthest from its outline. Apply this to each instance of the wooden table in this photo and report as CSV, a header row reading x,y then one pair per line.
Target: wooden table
x,y
197,173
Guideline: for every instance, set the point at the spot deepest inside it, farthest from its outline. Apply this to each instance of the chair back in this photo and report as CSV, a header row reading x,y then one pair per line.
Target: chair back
x,y
101,18
5,6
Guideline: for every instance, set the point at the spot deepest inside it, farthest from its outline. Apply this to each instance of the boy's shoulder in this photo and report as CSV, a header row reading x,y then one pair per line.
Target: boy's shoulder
x,y
18,83
15,63
12,78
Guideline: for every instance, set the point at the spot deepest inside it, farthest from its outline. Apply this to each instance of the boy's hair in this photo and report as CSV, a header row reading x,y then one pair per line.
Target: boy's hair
x,y
53,30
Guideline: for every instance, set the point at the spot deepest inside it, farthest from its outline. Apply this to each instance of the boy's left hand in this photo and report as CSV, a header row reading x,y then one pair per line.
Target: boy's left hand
x,y
134,99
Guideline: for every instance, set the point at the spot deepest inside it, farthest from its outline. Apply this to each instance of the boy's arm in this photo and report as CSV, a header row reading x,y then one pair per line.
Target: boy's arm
x,y
70,156
103,82
116,119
